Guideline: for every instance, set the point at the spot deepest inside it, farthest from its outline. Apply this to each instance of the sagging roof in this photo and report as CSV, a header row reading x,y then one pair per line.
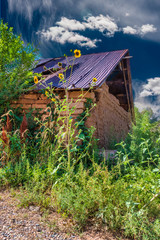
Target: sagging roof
x,y
85,68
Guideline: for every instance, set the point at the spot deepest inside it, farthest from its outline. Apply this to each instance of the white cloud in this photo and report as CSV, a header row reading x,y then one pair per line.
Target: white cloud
x,y
143,104
71,24
147,28
105,24
148,95
127,14
144,29
129,30
151,88
66,29
145,93
62,36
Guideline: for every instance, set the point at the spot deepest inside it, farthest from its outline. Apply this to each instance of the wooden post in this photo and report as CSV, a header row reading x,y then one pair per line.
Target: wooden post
x,y
130,90
126,87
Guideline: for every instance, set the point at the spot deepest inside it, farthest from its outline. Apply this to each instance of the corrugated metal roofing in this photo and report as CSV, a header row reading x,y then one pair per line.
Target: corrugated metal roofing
x,y
43,61
87,67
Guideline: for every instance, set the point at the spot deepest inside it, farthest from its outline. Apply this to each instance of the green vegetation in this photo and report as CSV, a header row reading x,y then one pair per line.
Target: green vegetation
x,y
56,162
16,64
122,193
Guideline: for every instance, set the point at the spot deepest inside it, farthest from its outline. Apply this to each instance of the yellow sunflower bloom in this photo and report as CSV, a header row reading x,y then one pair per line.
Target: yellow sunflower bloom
x,y
46,93
94,80
77,53
59,64
60,75
35,79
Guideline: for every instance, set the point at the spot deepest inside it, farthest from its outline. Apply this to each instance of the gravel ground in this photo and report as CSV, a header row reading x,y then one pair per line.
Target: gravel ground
x,y
28,223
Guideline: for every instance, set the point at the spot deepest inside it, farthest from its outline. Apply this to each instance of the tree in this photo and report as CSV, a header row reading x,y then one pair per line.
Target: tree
x,y
16,64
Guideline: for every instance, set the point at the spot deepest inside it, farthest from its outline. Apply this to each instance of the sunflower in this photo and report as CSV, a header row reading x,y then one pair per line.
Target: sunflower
x,y
46,93
77,53
35,79
59,64
60,75
94,80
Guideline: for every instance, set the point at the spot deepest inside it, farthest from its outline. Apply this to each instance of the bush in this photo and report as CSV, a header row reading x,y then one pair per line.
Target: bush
x,y
16,64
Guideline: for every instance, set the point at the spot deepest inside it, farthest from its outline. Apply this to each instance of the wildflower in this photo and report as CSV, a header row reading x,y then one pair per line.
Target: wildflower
x,y
94,80
35,79
59,64
46,93
53,99
60,75
77,53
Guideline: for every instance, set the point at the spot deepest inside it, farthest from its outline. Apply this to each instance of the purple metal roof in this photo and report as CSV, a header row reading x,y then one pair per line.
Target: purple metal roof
x,y
85,68
43,61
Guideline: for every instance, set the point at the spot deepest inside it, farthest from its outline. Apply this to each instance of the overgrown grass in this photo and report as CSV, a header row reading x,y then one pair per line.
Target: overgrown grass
x,y
122,193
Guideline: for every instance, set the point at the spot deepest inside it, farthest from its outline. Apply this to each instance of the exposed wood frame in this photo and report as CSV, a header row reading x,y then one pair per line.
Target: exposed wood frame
x,y
130,90
126,87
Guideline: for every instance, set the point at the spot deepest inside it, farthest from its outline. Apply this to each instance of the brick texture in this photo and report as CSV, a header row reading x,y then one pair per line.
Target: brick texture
x,y
108,117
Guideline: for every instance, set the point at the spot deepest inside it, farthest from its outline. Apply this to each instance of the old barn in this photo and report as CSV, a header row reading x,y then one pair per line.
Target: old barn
x,y
112,92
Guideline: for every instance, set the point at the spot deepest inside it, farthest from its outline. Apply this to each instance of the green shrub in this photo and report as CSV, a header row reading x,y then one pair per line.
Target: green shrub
x,y
16,64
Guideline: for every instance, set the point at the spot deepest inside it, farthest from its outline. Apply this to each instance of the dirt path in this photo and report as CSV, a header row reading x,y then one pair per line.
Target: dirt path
x,y
28,223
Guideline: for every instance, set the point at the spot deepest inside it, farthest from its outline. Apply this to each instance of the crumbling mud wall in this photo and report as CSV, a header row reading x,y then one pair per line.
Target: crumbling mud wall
x,y
38,101
111,121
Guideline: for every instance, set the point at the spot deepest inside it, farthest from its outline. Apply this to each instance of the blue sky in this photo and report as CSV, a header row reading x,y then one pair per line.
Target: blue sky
x,y
55,27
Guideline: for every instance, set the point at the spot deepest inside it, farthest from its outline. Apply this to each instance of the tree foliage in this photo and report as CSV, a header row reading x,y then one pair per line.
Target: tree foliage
x,y
16,64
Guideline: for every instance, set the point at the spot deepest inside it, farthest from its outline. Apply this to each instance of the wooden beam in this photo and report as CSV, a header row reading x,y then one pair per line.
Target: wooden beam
x,y
128,57
121,95
126,87
130,90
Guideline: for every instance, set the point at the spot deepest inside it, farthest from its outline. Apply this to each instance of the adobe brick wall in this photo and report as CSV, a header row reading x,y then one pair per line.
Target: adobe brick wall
x,y
34,100
108,117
